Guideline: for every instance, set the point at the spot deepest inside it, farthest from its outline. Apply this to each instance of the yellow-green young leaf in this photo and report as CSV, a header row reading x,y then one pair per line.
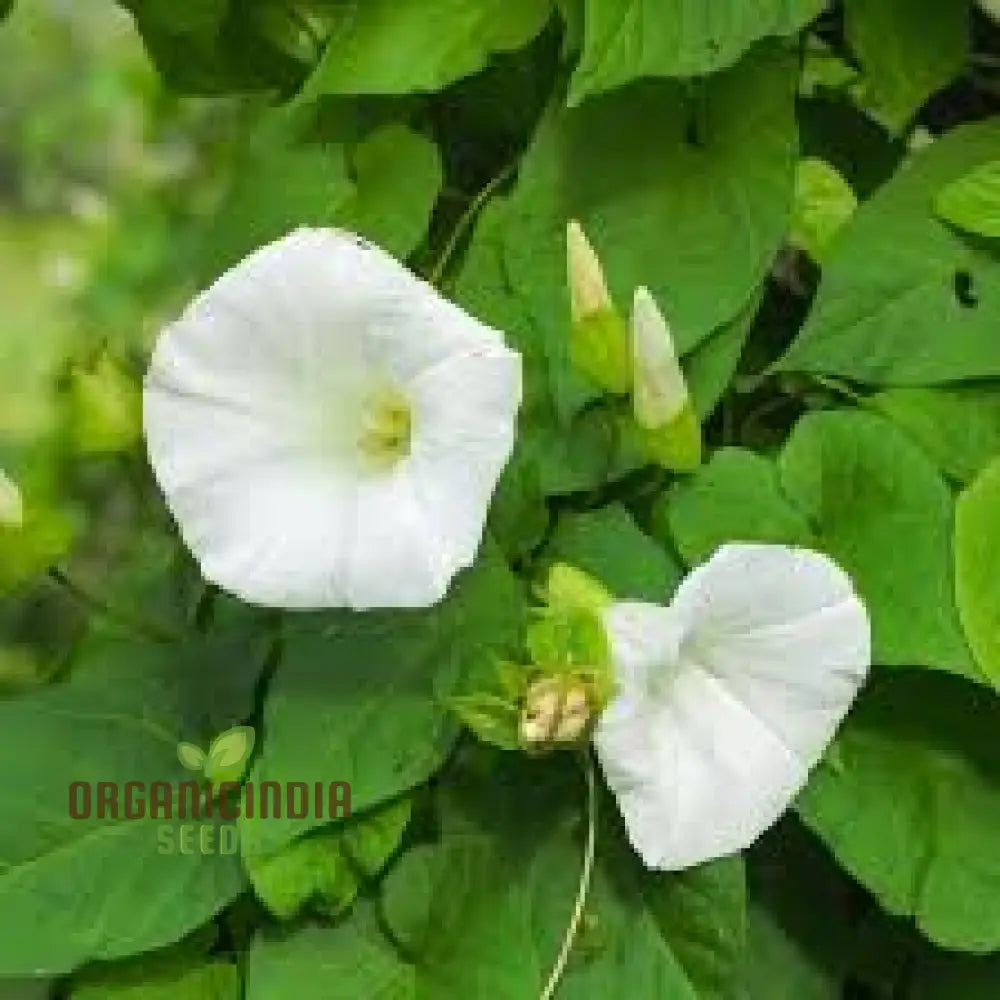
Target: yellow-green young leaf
x,y
973,202
311,870
372,838
824,202
908,49
977,566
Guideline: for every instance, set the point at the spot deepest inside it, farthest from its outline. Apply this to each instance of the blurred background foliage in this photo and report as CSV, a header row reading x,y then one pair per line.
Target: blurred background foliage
x,y
103,172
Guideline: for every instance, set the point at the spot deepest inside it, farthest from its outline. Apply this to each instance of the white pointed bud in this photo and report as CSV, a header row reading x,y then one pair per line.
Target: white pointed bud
x,y
556,710
587,288
599,345
661,403
11,504
659,389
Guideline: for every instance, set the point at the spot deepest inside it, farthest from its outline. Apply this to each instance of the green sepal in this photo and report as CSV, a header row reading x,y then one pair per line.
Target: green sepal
x,y
676,446
491,717
599,350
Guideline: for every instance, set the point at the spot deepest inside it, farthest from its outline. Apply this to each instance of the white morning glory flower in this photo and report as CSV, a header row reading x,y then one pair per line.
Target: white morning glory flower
x,y
728,698
328,431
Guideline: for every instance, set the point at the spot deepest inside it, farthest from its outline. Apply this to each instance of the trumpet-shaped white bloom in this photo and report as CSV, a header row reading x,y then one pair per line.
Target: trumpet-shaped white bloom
x,y
328,431
728,698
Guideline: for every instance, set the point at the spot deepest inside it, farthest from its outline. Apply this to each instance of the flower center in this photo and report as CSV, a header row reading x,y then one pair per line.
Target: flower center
x,y
386,428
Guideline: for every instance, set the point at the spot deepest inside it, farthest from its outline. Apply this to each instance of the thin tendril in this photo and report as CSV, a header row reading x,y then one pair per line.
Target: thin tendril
x,y
466,220
585,876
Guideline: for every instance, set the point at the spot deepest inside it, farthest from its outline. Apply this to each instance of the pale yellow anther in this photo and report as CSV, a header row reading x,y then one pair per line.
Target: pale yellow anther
x,y
387,428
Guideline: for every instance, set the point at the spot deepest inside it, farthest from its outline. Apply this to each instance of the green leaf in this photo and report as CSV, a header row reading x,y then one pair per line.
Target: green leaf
x,y
408,46
214,46
908,49
384,189
735,498
170,978
610,546
702,912
710,367
977,568
382,681
696,217
956,977
628,39
913,812
502,883
881,510
802,918
824,203
193,17
350,961
957,426
74,890
973,202
397,178
548,458
905,299
850,485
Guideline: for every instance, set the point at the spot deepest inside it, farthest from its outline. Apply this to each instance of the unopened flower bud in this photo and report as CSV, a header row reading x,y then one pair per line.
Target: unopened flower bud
x,y
556,711
661,403
599,345
11,503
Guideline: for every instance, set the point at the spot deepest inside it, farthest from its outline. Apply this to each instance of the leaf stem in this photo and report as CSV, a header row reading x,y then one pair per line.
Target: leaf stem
x,y
465,222
585,878
86,597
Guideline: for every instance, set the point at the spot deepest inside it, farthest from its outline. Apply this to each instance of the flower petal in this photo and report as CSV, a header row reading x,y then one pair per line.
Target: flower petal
x,y
254,410
704,751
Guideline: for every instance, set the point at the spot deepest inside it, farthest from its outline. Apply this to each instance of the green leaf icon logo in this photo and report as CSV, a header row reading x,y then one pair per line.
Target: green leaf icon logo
x,y
229,754
192,757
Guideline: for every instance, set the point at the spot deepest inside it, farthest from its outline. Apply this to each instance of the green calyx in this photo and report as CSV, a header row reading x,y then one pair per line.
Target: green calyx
x,y
554,699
